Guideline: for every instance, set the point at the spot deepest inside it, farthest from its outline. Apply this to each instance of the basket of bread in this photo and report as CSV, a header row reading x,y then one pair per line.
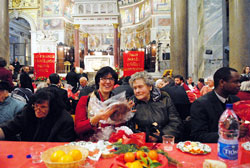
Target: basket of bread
x,y
64,156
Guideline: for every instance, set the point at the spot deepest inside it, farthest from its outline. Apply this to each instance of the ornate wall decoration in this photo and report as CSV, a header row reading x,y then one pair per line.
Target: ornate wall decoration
x,y
66,6
69,34
126,16
162,5
164,22
53,24
136,37
22,4
51,8
107,39
94,41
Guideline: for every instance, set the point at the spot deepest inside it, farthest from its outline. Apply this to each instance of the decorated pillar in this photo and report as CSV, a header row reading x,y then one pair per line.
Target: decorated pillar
x,y
76,43
119,48
4,31
86,47
115,50
239,34
178,37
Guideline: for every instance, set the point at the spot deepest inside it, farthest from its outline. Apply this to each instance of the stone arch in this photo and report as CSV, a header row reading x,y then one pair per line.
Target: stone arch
x,y
33,29
27,17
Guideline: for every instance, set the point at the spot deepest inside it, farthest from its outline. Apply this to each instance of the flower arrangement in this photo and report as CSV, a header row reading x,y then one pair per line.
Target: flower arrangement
x,y
40,79
62,78
117,69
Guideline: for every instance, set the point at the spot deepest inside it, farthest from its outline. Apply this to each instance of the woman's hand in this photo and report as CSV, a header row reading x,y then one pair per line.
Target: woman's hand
x,y
243,130
131,105
103,115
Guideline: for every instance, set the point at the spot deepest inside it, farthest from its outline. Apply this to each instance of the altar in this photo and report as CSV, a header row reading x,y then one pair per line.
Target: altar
x,y
95,62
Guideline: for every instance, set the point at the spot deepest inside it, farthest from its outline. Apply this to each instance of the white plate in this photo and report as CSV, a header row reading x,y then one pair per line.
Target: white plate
x,y
246,145
91,146
195,148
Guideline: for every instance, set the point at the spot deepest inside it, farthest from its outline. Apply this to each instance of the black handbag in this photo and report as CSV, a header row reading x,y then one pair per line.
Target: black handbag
x,y
152,130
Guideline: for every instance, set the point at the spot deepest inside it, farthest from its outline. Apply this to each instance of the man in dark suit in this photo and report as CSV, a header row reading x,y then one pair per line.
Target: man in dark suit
x,y
25,79
206,110
55,83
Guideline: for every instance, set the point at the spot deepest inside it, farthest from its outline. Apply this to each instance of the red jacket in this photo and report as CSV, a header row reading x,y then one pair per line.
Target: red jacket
x,y
82,122
6,76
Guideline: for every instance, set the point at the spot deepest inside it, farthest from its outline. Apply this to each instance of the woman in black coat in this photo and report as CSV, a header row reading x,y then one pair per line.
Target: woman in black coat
x,y
155,113
44,118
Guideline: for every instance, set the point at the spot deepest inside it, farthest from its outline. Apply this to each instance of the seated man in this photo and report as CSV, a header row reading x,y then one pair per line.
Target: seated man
x,y
206,110
9,107
54,80
83,82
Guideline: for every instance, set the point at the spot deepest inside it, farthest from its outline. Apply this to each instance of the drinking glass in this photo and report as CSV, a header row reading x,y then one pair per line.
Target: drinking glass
x,y
168,142
36,151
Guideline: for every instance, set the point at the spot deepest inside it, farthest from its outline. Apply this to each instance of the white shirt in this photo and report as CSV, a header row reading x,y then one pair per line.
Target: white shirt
x,y
222,99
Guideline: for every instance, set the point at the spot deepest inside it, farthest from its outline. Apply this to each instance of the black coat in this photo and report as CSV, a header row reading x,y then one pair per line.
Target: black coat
x,y
57,126
161,111
124,87
72,79
63,95
26,81
180,99
205,115
86,91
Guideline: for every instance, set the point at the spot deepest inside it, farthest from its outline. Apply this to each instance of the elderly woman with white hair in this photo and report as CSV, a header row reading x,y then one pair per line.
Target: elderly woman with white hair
x,y
160,83
209,86
244,93
155,113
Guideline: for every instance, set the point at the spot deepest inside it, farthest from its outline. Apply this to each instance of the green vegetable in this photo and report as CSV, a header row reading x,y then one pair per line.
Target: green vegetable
x,y
123,148
153,164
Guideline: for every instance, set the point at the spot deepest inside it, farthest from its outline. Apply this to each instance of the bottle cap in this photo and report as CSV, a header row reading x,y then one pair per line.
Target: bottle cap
x,y
10,156
230,106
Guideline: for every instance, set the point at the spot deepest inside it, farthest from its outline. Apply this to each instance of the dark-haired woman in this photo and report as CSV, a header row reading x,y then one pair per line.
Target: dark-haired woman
x,y
246,73
86,123
44,118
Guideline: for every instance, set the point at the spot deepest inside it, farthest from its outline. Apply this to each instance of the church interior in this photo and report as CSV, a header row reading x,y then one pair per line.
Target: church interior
x,y
190,37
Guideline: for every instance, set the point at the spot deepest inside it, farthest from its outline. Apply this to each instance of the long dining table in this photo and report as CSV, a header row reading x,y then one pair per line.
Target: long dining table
x,y
14,155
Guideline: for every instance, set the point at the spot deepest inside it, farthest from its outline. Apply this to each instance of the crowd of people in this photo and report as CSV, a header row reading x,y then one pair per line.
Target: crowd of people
x,y
170,105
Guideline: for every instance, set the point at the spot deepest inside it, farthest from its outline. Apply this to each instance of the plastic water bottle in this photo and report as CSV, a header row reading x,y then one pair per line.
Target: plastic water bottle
x,y
228,136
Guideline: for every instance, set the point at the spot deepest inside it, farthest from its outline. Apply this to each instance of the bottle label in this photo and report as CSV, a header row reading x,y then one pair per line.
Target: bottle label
x,y
228,151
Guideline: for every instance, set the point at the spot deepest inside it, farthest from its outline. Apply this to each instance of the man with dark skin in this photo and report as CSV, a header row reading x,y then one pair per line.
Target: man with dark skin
x,y
206,110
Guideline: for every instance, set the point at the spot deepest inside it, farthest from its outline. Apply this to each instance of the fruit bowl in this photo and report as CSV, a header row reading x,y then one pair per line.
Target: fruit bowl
x,y
120,162
46,157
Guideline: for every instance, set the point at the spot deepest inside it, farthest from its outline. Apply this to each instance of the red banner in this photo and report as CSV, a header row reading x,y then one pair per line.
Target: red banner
x,y
133,61
44,64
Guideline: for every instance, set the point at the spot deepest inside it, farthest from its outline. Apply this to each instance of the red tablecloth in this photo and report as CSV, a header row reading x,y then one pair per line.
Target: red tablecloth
x,y
20,150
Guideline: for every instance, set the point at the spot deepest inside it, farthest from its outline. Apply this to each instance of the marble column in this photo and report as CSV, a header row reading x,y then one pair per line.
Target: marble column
x,y
239,34
115,49
119,48
86,47
178,37
4,31
76,44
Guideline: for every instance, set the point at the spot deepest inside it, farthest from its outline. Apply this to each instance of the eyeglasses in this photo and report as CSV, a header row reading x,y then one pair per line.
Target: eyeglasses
x,y
106,79
41,107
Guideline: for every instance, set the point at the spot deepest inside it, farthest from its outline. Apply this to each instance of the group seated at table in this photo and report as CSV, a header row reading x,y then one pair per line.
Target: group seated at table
x,y
45,117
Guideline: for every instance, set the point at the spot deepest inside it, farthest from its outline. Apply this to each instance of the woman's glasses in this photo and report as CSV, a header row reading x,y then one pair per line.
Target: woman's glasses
x,y
107,79
39,106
